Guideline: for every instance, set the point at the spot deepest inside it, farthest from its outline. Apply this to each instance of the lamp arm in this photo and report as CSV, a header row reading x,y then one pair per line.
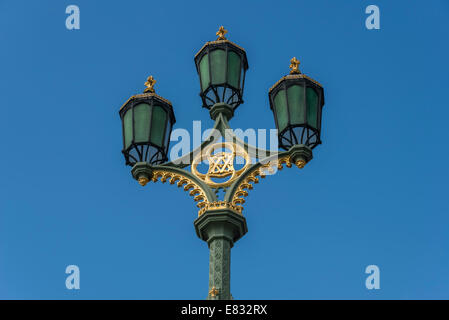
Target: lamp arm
x,y
187,159
238,190
254,152
201,192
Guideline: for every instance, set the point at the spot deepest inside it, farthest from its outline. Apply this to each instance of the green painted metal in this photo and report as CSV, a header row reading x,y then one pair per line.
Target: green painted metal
x,y
221,108
220,229
146,170
233,187
300,152
219,269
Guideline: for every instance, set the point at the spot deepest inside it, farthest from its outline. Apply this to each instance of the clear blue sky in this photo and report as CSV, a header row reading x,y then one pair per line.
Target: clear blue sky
x,y
375,193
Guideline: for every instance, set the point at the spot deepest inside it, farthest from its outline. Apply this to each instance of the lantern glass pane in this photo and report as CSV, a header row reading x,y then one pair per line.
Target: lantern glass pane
x,y
233,69
142,122
158,121
167,135
280,107
204,72
128,127
296,104
217,65
312,107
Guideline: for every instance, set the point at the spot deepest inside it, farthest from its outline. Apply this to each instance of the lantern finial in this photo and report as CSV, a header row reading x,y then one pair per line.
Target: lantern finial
x,y
294,64
150,84
221,33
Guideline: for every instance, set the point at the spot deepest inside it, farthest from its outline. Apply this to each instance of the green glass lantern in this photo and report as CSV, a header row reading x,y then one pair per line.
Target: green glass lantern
x,y
221,66
147,120
297,101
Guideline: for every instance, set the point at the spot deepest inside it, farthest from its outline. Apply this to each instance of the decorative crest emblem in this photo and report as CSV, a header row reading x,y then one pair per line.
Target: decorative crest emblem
x,y
221,164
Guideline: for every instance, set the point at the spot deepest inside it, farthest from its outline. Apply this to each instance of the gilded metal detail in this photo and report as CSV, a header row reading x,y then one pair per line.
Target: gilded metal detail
x,y
217,205
253,178
150,84
213,292
181,181
143,181
221,165
300,164
221,33
294,64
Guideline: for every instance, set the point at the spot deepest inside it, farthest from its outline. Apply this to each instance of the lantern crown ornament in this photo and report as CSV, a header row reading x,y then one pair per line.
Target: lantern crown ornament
x,y
294,64
221,66
297,101
147,121
150,84
221,33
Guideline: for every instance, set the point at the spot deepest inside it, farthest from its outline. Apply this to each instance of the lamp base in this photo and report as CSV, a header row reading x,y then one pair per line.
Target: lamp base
x,y
142,172
222,108
300,154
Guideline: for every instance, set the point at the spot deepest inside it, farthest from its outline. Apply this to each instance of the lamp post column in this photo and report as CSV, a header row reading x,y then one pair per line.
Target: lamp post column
x,y
220,228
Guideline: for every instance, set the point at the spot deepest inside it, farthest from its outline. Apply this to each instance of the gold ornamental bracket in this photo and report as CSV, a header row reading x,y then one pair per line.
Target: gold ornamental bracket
x,y
194,189
248,181
202,195
221,164
237,192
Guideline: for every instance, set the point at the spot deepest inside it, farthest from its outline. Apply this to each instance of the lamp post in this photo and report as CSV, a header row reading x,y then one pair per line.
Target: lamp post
x,y
147,119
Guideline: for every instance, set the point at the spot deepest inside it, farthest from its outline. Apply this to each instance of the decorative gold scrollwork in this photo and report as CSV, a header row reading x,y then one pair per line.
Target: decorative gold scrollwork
x,y
217,205
253,178
221,164
181,181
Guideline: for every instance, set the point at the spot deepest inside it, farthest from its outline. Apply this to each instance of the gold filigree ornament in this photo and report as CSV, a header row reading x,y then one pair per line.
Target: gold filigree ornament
x,y
187,184
221,164
219,205
253,178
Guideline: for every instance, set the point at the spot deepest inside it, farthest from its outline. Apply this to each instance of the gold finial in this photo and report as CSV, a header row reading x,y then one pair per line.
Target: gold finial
x,y
300,164
221,33
150,84
294,64
213,292
143,181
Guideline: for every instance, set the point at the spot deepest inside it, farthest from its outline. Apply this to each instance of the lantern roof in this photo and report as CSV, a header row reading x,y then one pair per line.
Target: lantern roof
x,y
149,93
222,42
147,96
294,74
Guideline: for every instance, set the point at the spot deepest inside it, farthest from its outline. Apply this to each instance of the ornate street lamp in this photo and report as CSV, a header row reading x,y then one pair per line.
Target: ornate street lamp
x,y
147,119
297,101
221,66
